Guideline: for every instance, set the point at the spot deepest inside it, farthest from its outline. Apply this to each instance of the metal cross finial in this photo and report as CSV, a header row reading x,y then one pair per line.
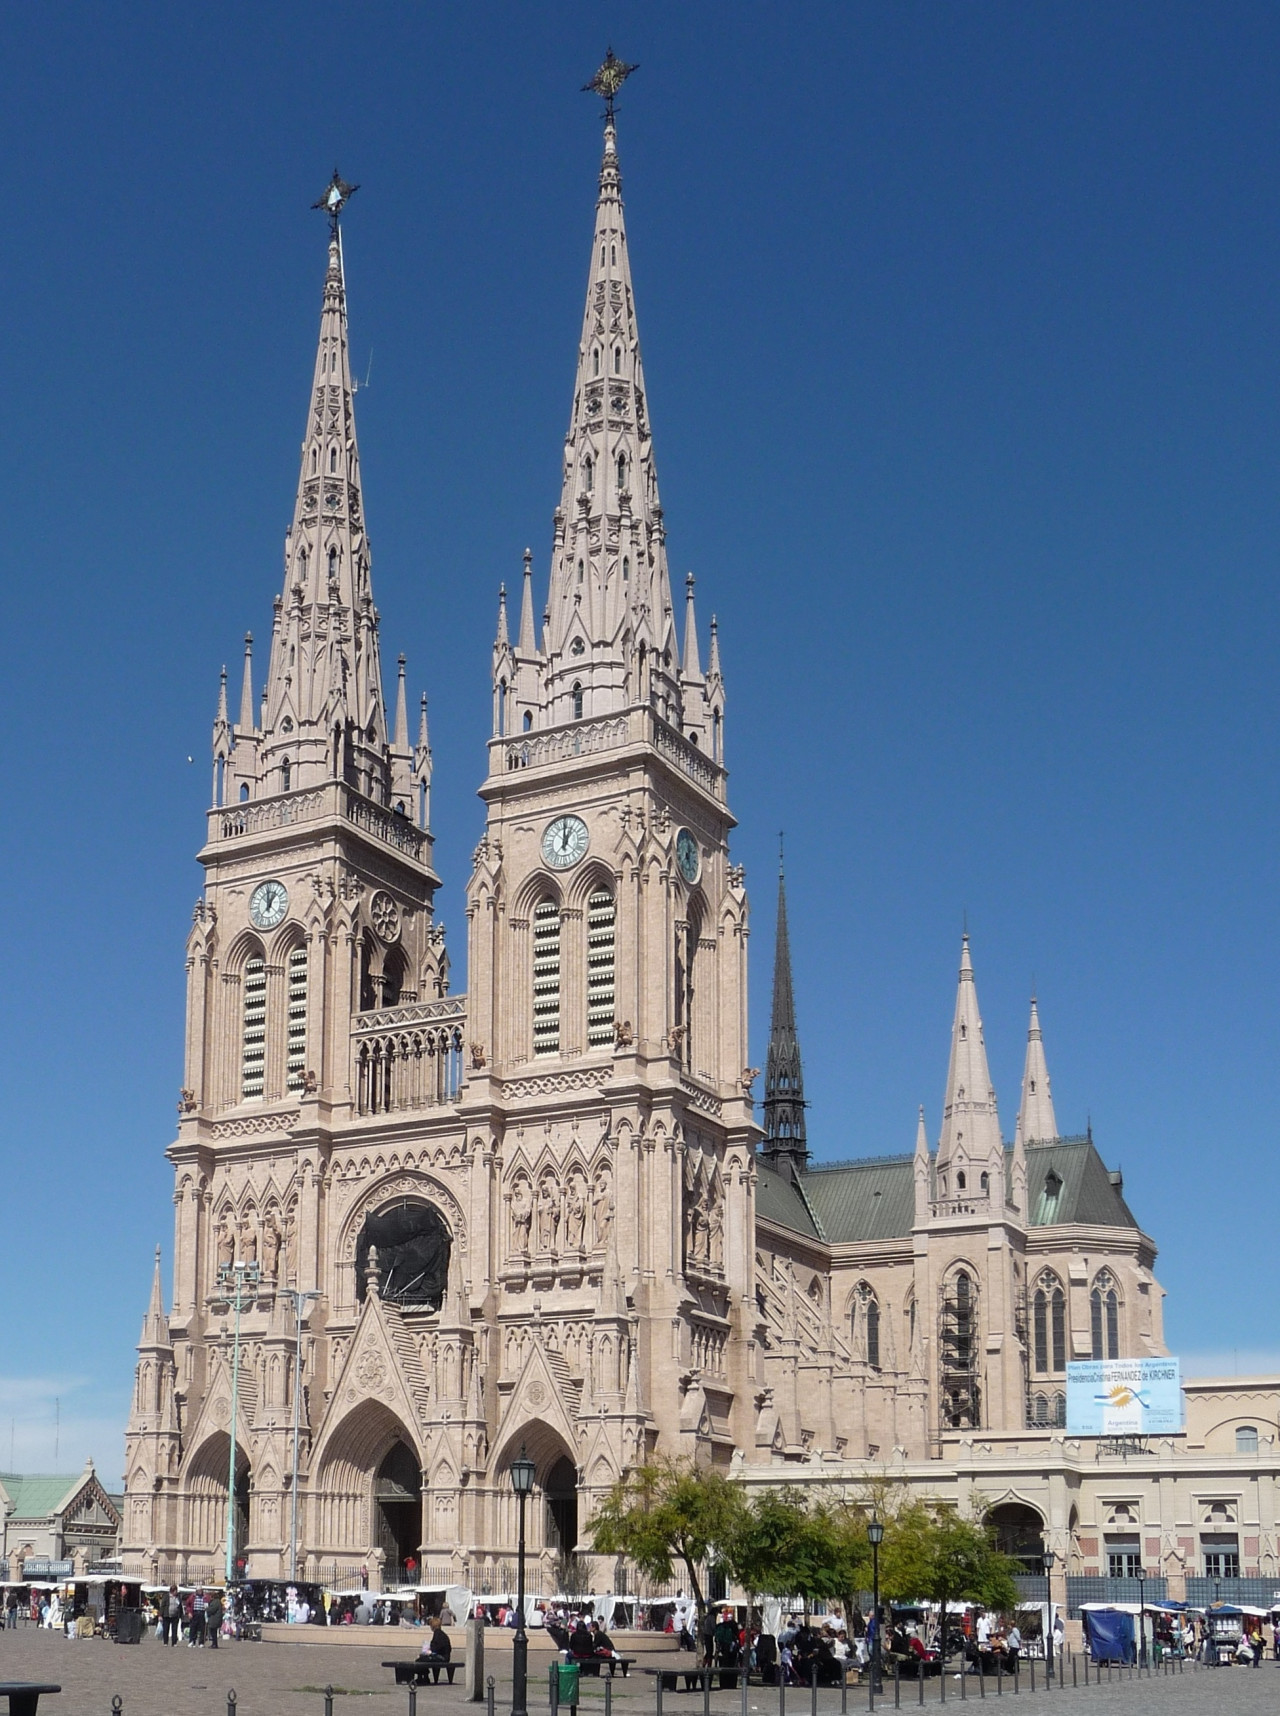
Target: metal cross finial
x,y
337,194
609,80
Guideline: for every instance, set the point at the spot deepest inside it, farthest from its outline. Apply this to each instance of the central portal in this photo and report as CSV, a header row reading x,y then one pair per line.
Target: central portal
x,y
397,1501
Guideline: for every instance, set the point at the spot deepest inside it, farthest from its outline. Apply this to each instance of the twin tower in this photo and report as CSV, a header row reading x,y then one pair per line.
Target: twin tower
x,y
538,1215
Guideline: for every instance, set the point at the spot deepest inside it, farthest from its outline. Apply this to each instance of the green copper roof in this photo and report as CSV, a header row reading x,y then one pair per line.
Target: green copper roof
x,y
847,1203
37,1495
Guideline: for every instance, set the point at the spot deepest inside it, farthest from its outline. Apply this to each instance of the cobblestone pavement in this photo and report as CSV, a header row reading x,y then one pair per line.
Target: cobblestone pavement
x,y
289,1680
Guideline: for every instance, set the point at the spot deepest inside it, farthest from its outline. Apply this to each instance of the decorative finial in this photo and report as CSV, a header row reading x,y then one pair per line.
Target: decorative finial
x,y
337,194
609,80
780,855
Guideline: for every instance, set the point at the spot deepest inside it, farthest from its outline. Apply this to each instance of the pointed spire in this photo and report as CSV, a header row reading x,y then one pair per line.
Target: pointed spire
x,y
970,1137
503,638
424,744
689,656
155,1325
401,740
609,576
1037,1122
246,686
920,1170
528,643
713,664
783,1106
324,672
220,719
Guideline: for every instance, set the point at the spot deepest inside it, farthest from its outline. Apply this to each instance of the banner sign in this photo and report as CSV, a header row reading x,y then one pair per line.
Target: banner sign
x,y
40,1567
1124,1397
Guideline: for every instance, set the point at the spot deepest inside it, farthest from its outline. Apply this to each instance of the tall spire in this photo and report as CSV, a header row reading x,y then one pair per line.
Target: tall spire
x,y
970,1143
690,660
155,1325
246,687
783,1105
401,740
1037,1122
527,643
920,1171
324,710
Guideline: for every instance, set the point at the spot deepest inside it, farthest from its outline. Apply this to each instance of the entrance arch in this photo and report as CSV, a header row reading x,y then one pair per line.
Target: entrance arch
x,y
1018,1530
206,1487
552,1511
561,1490
368,1492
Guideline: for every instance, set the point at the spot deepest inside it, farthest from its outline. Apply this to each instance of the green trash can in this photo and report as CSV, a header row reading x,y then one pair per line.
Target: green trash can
x,y
567,1674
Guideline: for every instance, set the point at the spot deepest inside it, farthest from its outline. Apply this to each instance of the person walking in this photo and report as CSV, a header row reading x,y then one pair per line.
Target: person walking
x,y
213,1618
199,1607
172,1615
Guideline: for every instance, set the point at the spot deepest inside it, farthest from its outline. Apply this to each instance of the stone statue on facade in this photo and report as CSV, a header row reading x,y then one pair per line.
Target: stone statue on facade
x,y
226,1247
548,1213
521,1215
602,1210
270,1249
575,1221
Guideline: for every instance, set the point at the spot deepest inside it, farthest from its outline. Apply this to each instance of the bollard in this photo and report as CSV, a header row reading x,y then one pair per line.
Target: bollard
x,y
328,1701
117,1704
964,1681
813,1690
413,1699
844,1689
490,1694
982,1680
1073,1671
231,1702
897,1687
920,1684
999,1680
782,1689
553,1691
1033,1674
871,1686
1017,1664
706,1691
744,1685
608,1695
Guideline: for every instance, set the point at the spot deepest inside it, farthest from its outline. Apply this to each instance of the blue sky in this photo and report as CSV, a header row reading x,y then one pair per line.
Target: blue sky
x,y
960,332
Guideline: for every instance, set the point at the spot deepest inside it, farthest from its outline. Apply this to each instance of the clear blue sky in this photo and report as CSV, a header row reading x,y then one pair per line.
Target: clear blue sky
x,y
961,332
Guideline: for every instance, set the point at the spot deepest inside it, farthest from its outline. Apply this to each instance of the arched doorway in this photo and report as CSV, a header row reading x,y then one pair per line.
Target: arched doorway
x,y
561,1490
1018,1531
206,1485
397,1501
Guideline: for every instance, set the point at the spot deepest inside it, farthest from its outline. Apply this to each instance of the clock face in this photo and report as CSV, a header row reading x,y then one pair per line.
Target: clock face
x,y
687,856
268,904
565,842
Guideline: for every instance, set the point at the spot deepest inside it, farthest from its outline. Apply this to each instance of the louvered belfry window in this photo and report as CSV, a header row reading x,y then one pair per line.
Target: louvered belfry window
x,y
546,978
601,914
254,1047
297,1061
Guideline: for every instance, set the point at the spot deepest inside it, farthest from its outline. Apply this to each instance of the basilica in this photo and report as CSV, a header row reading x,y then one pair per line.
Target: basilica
x,y
419,1230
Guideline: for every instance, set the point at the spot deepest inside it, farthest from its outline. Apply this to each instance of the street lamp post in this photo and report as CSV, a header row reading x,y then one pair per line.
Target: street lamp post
x,y
1141,1577
237,1286
1048,1558
875,1537
522,1476
300,1302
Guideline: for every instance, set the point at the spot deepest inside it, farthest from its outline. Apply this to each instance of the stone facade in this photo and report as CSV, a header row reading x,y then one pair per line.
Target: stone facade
x,y
541,1214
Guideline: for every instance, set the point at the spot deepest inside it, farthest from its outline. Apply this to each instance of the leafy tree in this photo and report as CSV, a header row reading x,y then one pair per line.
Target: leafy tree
x,y
783,1546
668,1512
930,1550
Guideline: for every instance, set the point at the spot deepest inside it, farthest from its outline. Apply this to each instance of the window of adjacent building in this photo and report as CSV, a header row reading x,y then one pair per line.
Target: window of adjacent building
x,y
546,978
601,917
1104,1317
1049,1325
295,1067
873,1332
254,1036
1221,1551
1124,1557
1048,1411
1246,1439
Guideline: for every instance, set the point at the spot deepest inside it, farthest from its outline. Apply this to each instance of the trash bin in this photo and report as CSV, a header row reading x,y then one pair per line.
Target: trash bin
x,y
128,1626
567,1674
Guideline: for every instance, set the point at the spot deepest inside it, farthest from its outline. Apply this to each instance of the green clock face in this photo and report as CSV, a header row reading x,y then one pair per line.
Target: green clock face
x,y
267,905
687,856
565,842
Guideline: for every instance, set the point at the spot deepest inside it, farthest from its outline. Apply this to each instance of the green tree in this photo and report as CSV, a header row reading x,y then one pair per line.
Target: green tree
x,y
665,1513
786,1547
931,1551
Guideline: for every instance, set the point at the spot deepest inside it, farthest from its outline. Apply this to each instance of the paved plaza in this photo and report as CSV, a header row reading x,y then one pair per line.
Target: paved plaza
x,y
289,1680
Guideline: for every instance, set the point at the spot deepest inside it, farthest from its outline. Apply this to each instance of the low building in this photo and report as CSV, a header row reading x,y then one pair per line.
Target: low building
x,y
54,1518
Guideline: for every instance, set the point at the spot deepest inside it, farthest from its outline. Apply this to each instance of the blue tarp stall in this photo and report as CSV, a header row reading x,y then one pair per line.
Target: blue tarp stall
x,y
1109,1634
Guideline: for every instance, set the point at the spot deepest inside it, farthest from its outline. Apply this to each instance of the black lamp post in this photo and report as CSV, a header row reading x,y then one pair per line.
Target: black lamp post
x,y
1141,1576
875,1537
1048,1558
522,1476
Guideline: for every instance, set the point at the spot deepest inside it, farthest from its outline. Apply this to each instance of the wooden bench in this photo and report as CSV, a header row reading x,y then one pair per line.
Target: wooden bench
x,y
593,1664
423,1670
692,1676
24,1695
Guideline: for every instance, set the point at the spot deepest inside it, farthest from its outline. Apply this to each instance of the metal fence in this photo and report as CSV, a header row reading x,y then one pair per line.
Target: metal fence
x,y
1097,1588
1261,1593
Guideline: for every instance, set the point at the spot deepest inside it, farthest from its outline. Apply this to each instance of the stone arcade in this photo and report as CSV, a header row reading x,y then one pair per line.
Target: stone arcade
x,y
541,1213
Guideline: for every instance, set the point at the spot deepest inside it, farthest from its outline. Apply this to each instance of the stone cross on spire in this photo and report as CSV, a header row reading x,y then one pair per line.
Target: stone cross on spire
x,y
783,1105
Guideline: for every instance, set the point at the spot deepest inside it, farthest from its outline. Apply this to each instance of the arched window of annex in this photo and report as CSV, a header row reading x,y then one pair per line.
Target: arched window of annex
x,y
1104,1316
958,1335
545,920
1049,1326
253,1021
865,1323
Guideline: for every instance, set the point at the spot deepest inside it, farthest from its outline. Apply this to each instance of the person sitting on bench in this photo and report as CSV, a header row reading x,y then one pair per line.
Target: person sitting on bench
x,y
437,1649
580,1641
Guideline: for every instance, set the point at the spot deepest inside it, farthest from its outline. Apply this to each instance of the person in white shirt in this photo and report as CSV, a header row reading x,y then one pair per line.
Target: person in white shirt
x,y
984,1633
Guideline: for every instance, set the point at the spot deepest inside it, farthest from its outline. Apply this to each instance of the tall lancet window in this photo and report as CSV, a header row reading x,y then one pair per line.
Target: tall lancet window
x,y
333,565
601,916
1104,1317
254,1032
686,949
1049,1325
577,701
546,978
622,471
295,1066
333,461
588,473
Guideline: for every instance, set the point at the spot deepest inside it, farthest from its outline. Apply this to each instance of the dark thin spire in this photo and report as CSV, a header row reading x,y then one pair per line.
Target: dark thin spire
x,y
783,1105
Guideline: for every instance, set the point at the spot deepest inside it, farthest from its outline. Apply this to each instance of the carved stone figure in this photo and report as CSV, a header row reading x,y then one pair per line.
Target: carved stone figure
x,y
715,1234
226,1247
548,1213
575,1221
623,1035
521,1214
270,1249
602,1209
291,1251
248,1243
